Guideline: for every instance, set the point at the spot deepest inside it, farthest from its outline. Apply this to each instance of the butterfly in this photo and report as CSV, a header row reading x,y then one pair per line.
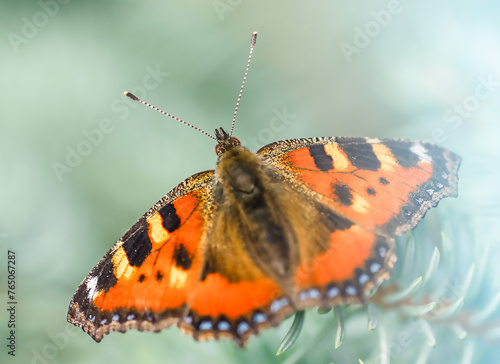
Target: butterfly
x,y
300,223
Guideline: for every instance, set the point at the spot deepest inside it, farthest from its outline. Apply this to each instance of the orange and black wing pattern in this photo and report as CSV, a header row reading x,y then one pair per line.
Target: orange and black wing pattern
x,y
385,185
368,191
147,279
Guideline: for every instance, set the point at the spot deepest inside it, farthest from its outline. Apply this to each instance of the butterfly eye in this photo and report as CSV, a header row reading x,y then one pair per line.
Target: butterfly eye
x,y
219,150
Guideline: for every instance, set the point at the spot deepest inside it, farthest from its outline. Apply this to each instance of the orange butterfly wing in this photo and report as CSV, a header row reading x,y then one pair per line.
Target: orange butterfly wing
x,y
381,187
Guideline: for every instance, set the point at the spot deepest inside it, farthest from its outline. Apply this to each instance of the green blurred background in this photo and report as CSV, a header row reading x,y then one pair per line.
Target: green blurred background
x,y
411,69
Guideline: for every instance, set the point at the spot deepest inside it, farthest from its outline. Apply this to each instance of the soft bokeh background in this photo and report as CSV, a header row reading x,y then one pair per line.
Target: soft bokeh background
x,y
65,64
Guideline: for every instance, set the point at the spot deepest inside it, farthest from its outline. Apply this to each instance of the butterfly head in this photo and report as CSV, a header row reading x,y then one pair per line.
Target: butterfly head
x,y
225,142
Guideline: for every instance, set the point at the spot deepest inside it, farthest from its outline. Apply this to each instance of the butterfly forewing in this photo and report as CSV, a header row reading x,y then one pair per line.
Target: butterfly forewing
x,y
384,185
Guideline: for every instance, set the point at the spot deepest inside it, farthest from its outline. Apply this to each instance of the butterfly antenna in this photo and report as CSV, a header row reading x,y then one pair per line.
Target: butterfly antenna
x,y
135,98
252,46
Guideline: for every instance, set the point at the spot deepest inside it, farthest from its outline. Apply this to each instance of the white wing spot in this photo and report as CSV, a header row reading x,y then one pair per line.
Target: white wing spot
x,y
92,288
420,150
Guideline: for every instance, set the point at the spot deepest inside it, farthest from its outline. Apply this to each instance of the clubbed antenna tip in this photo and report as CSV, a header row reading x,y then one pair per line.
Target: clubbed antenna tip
x,y
131,95
254,39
